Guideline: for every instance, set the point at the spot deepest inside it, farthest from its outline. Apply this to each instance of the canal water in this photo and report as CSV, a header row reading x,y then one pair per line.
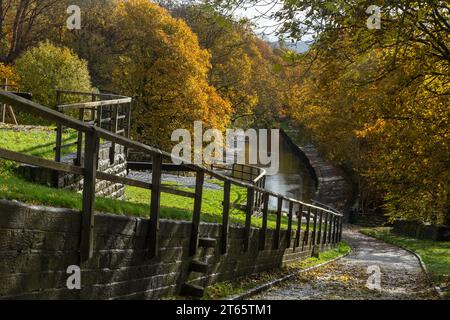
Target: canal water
x,y
293,178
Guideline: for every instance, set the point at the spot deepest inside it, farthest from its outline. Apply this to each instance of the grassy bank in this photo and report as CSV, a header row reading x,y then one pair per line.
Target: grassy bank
x,y
241,285
40,142
435,255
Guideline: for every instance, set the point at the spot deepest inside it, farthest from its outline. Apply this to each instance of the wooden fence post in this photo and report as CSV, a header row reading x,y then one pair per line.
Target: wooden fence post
x,y
248,218
80,140
226,216
278,226
319,232
325,228
197,212
90,169
155,206
330,228
334,229
289,230
263,230
307,235
59,129
299,226
313,238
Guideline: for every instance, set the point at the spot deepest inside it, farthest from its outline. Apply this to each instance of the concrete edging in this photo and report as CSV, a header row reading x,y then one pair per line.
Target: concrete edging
x,y
268,285
421,263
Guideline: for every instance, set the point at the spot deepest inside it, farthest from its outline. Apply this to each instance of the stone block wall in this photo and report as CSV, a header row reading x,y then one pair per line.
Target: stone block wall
x,y
38,244
74,182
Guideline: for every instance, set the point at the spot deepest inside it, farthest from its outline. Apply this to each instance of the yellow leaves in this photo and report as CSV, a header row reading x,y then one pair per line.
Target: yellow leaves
x,y
8,72
370,129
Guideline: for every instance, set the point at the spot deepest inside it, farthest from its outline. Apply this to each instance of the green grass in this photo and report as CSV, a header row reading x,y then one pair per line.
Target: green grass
x,y
36,142
41,142
229,288
435,254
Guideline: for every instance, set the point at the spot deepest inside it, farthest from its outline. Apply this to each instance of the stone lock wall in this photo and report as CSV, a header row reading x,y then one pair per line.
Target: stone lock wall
x,y
74,182
38,244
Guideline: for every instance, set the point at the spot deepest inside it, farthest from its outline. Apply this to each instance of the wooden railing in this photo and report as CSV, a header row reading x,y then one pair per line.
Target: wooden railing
x,y
324,226
108,111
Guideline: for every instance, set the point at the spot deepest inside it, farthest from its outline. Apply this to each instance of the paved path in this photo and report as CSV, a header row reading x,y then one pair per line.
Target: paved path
x,y
401,275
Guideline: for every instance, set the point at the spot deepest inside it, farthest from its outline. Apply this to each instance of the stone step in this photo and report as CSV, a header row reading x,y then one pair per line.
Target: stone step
x,y
207,242
190,290
198,266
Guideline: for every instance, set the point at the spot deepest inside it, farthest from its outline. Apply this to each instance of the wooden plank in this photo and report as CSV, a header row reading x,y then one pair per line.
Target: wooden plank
x,y
225,217
200,179
276,242
90,169
95,104
314,232
155,207
289,229
263,230
40,162
248,218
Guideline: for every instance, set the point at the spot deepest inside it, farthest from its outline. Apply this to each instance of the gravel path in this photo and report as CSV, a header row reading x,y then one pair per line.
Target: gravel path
x,y
401,275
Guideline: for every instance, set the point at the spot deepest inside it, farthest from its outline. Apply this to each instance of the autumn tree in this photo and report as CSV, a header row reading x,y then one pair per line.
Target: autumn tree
x,y
377,99
161,64
23,23
242,65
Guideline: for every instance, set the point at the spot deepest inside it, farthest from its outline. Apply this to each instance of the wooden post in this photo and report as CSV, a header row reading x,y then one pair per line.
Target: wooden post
x,y
90,169
341,225
59,131
278,226
5,87
313,238
112,151
334,229
319,232
330,228
299,226
248,218
197,212
155,206
263,230
226,216
289,230
325,227
80,140
308,222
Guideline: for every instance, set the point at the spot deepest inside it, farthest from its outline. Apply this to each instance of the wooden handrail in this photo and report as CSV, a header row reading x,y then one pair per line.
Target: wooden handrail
x,y
90,173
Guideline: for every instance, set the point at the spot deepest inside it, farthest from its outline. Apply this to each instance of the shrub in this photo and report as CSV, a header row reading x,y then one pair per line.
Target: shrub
x,y
46,67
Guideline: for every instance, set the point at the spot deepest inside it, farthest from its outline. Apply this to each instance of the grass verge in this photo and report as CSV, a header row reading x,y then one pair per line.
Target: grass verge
x,y
435,254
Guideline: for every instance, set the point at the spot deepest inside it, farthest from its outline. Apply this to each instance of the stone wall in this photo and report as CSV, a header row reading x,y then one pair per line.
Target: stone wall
x,y
38,244
74,182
